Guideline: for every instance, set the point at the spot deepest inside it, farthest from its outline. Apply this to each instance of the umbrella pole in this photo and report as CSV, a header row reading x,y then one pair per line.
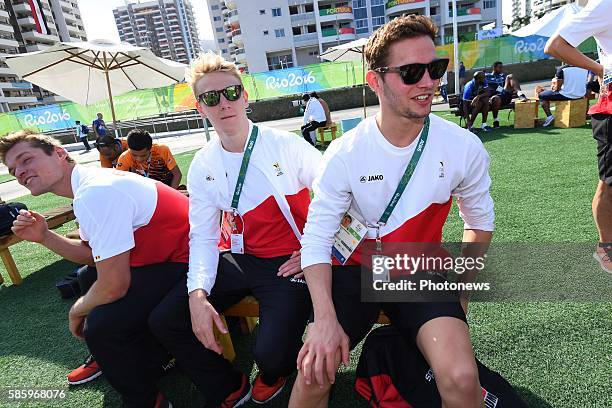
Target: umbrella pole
x,y
110,96
363,86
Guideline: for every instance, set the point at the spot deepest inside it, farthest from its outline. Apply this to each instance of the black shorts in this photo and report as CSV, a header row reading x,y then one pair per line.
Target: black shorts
x,y
552,96
357,318
602,132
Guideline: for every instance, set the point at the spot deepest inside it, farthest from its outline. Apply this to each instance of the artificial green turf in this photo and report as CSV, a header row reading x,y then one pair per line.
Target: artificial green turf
x,y
557,354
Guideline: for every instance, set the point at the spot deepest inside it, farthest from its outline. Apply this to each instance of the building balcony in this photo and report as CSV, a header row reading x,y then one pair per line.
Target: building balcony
x,y
36,36
7,71
466,14
4,13
395,7
49,99
22,8
20,100
230,4
237,39
303,17
234,19
304,40
16,85
37,47
71,17
8,42
338,34
240,55
336,14
6,28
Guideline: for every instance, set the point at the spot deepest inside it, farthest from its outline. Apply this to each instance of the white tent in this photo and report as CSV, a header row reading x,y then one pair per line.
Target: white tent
x,y
550,23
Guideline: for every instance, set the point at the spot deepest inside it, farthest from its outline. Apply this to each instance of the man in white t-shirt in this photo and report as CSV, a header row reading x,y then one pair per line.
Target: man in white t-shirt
x,y
256,180
314,117
594,20
121,219
359,175
569,83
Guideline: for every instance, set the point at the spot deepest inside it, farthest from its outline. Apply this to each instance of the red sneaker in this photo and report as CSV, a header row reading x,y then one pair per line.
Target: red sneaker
x,y
87,372
263,393
240,396
162,402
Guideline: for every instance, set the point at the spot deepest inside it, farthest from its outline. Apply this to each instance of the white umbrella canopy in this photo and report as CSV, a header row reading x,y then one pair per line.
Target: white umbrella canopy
x,y
350,51
548,25
88,72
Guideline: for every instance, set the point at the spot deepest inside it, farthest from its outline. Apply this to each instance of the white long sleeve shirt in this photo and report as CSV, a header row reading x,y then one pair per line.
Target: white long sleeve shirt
x,y
282,165
314,111
361,170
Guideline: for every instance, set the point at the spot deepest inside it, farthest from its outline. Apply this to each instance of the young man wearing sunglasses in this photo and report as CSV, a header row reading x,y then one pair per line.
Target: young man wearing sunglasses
x,y
257,181
403,147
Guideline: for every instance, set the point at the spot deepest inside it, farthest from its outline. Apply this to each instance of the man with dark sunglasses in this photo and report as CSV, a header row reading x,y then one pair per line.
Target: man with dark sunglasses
x,y
257,181
403,147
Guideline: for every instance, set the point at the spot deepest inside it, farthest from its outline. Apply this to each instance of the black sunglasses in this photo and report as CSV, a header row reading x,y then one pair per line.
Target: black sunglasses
x,y
412,73
212,98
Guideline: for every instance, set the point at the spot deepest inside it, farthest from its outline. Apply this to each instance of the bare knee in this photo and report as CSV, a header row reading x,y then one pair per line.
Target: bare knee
x,y
308,395
460,381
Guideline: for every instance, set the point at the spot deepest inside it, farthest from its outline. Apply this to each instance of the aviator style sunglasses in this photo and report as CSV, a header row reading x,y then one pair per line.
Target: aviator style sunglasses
x,y
212,98
412,73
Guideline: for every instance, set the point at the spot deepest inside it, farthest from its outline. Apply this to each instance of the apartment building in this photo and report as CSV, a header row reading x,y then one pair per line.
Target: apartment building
x,y
273,34
167,27
32,26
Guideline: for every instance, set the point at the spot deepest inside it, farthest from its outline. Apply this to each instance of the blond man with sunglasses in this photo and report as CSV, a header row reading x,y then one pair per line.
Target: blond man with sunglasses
x,y
396,174
257,181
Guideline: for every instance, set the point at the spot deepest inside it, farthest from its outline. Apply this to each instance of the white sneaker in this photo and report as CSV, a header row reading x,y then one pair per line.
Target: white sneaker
x,y
602,255
548,120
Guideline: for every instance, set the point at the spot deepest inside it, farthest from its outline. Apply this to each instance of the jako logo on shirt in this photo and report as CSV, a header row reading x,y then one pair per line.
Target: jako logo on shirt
x,y
373,177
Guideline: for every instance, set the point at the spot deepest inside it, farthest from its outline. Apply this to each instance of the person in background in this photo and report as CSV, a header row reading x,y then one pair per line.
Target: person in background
x,y
569,83
476,100
314,117
149,160
461,76
82,135
110,149
99,126
443,86
594,20
501,87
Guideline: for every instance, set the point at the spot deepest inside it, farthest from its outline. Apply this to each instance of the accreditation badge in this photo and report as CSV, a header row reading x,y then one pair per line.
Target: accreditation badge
x,y
237,242
349,236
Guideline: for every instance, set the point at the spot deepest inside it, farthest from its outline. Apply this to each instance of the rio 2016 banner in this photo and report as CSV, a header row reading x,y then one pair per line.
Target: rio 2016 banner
x,y
265,85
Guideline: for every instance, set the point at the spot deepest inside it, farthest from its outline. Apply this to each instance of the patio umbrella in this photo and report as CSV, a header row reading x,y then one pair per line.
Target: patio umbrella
x,y
351,51
88,72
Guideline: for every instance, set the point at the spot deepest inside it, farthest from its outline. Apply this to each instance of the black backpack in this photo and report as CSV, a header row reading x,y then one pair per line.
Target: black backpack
x,y
84,129
8,213
392,373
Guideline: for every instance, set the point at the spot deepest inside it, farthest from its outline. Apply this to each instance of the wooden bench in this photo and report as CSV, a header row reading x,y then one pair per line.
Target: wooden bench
x,y
332,127
248,310
55,218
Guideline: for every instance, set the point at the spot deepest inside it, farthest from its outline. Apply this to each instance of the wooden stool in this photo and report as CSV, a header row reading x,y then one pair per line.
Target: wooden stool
x,y
321,131
569,114
525,114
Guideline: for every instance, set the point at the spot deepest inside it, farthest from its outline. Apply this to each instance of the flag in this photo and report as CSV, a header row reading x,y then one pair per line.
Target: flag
x,y
39,17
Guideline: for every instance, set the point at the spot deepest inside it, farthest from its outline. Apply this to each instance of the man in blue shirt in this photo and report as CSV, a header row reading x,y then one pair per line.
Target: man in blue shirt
x,y
476,100
99,126
501,87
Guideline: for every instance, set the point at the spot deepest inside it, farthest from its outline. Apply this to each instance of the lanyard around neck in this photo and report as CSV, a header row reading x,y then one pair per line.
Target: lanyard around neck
x,y
243,167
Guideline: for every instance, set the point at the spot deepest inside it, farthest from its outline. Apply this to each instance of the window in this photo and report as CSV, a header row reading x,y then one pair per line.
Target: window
x,y
293,10
377,22
219,29
276,12
279,32
308,8
377,2
296,30
265,32
214,7
224,50
280,61
359,3
261,12
312,28
221,40
489,4
217,18
360,13
378,11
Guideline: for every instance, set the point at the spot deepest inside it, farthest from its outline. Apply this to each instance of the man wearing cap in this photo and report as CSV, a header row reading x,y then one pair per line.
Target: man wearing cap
x,y
110,149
